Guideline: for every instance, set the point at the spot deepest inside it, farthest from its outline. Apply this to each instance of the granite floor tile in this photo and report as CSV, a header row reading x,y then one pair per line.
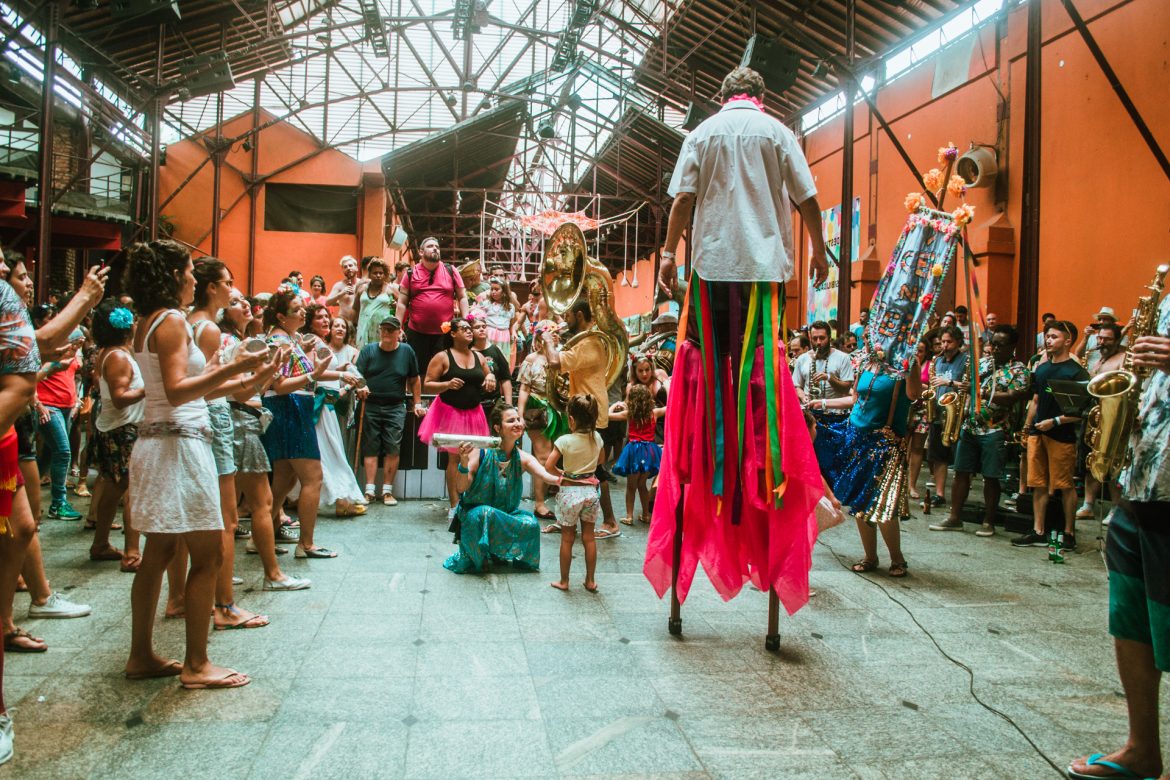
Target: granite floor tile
x,y
478,749
628,745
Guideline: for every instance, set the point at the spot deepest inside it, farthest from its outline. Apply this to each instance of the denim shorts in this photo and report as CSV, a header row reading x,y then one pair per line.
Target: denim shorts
x,y
222,438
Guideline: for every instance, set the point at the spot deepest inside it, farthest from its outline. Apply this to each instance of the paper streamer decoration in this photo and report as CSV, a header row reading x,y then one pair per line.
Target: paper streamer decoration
x,y
908,290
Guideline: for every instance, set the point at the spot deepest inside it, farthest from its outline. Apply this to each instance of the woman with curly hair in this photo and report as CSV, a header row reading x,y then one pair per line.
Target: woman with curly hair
x,y
291,439
178,503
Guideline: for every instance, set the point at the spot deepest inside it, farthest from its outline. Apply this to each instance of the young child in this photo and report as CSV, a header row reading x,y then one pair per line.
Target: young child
x,y
579,499
641,456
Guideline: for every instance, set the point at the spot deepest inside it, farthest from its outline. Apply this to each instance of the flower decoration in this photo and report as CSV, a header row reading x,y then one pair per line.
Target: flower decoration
x,y
926,300
936,270
933,179
906,364
476,314
913,201
122,318
947,154
956,186
445,326
881,354
963,214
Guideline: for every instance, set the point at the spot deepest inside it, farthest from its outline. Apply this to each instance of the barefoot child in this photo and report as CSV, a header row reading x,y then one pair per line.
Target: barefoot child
x,y
579,499
640,457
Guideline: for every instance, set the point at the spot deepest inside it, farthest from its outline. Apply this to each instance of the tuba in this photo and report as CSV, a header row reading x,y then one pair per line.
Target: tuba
x,y
1110,423
567,273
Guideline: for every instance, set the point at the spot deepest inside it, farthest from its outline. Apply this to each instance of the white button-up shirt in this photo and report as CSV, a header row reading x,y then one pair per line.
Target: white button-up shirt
x,y
743,167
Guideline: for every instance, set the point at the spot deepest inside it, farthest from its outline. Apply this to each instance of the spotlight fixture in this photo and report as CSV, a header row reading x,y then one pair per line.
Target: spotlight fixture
x,y
247,145
546,129
162,155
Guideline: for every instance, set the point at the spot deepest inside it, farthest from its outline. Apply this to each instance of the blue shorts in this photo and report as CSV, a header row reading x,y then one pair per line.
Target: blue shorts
x,y
981,453
222,438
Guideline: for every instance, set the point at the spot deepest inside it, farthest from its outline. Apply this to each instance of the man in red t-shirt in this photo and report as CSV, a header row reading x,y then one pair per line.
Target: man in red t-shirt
x,y
429,294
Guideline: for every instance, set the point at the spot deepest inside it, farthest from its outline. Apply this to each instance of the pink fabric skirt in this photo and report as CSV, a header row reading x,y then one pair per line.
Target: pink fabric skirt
x,y
444,418
743,537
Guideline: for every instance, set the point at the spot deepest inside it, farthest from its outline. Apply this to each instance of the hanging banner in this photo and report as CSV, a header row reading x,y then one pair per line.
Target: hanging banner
x,y
908,289
822,298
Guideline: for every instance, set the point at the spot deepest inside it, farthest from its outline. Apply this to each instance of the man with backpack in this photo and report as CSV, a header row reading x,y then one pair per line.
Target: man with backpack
x,y
429,294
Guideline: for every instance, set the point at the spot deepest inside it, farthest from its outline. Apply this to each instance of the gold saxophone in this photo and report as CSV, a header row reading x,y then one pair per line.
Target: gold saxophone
x,y
567,273
954,407
1111,421
928,393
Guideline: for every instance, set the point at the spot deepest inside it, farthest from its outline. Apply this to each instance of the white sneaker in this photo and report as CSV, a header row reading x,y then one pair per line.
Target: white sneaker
x,y
58,607
6,738
1084,512
288,583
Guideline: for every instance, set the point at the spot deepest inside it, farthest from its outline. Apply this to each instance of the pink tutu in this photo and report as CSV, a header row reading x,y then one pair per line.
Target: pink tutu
x,y
444,418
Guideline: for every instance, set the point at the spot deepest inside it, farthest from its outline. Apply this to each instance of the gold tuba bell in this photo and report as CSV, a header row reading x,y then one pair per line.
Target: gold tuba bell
x,y
567,273
1109,424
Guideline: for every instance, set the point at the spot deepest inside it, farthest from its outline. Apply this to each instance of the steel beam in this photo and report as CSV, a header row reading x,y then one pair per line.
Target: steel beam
x,y
52,10
1029,265
845,249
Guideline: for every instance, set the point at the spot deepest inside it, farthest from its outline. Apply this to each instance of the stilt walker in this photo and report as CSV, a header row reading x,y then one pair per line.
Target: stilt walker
x,y
739,477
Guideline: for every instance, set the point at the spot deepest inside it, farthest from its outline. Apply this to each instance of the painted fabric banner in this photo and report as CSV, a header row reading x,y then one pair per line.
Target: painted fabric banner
x,y
822,298
908,289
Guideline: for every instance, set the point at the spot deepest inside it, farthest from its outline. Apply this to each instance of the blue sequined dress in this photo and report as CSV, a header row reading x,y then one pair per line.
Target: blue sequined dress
x,y
491,522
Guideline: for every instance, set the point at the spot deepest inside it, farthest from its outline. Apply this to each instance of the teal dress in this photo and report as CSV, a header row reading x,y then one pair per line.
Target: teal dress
x,y
490,522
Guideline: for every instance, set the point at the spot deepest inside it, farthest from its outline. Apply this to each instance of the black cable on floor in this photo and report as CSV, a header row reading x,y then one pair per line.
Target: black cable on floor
x,y
970,673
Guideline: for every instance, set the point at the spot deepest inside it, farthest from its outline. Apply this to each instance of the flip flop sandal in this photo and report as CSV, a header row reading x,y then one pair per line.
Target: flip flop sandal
x,y
256,621
899,569
316,552
169,669
10,645
551,528
232,679
81,490
1118,772
108,554
644,519
545,516
594,589
608,534
627,521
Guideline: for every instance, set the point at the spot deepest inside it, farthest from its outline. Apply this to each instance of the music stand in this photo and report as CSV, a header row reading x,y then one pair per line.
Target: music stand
x,y
1072,396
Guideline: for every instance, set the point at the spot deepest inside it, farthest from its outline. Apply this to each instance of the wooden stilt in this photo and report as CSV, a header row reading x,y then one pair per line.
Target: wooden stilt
x,y
772,638
358,461
674,624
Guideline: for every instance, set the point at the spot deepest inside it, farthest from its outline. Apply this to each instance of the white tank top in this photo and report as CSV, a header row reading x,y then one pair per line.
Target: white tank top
x,y
111,417
158,408
198,329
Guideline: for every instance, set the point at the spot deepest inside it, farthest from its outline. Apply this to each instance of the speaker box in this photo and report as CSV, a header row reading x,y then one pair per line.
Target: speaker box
x,y
207,75
397,239
778,64
160,11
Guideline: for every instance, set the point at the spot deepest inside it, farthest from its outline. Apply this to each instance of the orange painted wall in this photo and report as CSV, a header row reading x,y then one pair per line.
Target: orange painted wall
x,y
1105,206
285,155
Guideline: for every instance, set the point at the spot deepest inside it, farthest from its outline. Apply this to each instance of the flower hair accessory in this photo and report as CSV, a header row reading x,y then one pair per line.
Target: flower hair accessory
x,y
947,154
122,318
446,326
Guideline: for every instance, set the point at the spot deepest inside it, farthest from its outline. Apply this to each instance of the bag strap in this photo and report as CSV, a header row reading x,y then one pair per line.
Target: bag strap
x,y
893,403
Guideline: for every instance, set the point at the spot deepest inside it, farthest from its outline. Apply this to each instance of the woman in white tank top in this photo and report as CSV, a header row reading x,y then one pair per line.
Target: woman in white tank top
x,y
122,408
174,493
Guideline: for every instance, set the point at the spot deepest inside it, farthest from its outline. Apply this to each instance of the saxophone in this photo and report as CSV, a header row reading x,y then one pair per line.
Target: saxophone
x,y
954,406
1110,422
928,393
567,273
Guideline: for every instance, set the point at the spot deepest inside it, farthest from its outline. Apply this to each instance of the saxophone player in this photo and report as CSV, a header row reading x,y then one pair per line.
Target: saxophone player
x,y
1137,555
1052,437
1110,356
821,375
1003,383
949,369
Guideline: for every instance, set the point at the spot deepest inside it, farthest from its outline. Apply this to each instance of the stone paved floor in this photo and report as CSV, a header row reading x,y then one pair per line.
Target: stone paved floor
x,y
391,666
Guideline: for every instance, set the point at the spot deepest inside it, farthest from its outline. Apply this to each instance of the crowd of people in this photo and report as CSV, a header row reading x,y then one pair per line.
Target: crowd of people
x,y
270,407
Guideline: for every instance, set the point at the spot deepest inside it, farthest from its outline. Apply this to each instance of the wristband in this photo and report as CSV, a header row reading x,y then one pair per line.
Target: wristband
x,y
462,469
667,255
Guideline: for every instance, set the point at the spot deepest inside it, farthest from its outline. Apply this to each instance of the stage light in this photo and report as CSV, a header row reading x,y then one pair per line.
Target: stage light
x,y
546,129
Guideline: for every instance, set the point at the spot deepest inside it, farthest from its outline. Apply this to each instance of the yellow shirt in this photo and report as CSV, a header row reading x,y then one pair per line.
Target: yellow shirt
x,y
579,453
586,363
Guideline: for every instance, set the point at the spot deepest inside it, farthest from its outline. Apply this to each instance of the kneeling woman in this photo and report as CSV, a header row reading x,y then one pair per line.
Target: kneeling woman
x,y
489,522
869,474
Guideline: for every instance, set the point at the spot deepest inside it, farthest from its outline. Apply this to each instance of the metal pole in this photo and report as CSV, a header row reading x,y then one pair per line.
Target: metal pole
x,y
45,184
253,185
674,623
1029,286
156,111
845,248
217,155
